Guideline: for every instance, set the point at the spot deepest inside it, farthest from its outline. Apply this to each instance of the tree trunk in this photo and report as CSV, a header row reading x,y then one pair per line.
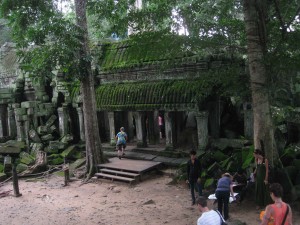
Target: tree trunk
x,y
263,124
94,153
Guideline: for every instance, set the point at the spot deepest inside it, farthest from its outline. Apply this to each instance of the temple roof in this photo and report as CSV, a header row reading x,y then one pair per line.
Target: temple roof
x,y
168,94
168,51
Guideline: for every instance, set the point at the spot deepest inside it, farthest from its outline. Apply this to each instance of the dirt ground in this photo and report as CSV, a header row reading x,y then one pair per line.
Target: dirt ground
x,y
153,201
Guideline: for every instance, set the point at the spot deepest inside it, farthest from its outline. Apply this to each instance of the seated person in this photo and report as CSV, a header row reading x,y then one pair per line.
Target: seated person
x,y
240,178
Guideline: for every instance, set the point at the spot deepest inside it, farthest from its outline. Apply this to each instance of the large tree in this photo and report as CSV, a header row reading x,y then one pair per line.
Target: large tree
x,y
59,43
93,143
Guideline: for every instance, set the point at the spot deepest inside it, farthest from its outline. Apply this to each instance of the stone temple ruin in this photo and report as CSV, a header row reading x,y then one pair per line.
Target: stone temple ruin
x,y
44,116
36,112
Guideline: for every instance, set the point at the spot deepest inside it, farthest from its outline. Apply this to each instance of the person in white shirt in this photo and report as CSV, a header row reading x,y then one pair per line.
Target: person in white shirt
x,y
208,217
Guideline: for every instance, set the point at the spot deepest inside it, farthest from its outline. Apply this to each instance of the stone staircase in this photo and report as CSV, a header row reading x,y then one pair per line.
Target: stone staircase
x,y
117,175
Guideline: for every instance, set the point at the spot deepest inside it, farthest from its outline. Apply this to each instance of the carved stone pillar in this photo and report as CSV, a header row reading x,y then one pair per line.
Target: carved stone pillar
x,y
202,128
11,121
63,118
81,123
153,127
26,130
112,132
170,132
19,113
3,121
140,129
130,132
248,120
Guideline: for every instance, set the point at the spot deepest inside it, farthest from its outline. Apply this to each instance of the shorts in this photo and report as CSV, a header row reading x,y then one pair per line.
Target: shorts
x,y
119,146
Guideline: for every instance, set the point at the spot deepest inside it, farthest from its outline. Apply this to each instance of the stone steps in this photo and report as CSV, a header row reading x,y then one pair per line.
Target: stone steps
x,y
118,175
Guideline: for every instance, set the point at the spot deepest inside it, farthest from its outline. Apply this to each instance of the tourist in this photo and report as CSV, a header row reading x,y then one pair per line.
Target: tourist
x,y
224,188
161,126
121,138
262,197
279,212
208,217
193,175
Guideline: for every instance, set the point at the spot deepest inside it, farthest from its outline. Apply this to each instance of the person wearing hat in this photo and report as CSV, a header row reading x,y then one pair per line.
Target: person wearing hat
x,y
121,138
224,188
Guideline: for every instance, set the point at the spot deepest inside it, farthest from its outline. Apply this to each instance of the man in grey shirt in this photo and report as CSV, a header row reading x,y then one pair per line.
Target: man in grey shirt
x,y
208,217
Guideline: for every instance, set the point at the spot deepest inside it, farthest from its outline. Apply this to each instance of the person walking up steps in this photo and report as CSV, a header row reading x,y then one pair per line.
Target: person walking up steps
x,y
121,138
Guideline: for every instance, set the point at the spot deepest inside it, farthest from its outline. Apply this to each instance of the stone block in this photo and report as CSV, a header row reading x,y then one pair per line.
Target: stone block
x,y
29,104
24,117
51,120
57,145
33,135
16,105
47,137
30,111
20,111
67,138
55,159
48,106
78,163
69,151
43,130
26,158
41,106
37,147
52,128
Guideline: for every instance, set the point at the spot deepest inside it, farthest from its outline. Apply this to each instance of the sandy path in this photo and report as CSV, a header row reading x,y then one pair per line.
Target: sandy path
x,y
151,202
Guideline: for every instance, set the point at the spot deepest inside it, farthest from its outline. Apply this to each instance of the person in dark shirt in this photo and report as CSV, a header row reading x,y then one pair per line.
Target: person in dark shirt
x,y
193,175
240,186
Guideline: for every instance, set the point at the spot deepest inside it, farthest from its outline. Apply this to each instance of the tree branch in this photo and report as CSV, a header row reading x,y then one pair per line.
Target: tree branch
x,y
284,28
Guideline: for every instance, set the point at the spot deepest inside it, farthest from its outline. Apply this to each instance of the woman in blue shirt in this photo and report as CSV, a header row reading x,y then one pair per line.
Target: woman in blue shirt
x,y
121,138
224,188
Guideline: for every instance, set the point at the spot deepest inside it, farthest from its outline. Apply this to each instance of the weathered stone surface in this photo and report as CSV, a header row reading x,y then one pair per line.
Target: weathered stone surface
x,y
30,111
223,143
47,137
21,167
53,145
51,120
52,128
78,163
55,159
69,151
29,104
20,111
33,135
37,147
26,158
43,130
67,138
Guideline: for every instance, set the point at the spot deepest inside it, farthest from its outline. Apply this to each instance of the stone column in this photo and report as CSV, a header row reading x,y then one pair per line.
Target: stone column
x,y
3,119
19,113
63,119
112,132
248,120
130,132
26,127
169,130
81,123
202,128
153,128
11,121
140,129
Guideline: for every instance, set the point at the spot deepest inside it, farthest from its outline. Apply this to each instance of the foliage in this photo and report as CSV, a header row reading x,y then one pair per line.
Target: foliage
x,y
45,38
5,32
